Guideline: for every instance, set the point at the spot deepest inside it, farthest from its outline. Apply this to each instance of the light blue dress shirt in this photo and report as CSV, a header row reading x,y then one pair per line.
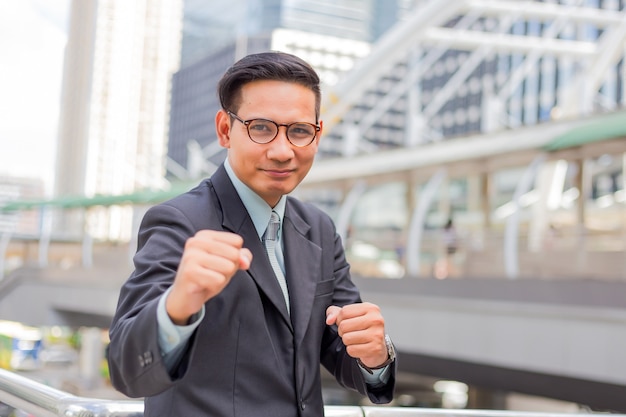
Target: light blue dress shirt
x,y
173,338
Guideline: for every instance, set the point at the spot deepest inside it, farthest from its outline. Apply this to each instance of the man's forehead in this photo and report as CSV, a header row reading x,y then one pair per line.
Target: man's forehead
x,y
268,89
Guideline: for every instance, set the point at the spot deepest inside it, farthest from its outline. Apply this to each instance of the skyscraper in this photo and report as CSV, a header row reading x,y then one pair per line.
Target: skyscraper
x,y
115,102
209,25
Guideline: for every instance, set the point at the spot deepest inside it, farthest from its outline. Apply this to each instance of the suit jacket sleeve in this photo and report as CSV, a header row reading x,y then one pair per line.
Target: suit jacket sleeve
x,y
334,356
135,359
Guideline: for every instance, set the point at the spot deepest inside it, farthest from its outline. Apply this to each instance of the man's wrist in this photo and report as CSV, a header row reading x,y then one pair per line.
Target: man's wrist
x,y
391,356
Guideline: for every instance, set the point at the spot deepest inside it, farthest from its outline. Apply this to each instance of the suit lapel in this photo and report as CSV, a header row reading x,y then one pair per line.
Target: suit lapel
x,y
236,219
302,264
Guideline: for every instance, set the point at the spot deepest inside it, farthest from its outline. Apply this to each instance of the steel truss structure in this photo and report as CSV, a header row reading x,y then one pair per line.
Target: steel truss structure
x,y
526,61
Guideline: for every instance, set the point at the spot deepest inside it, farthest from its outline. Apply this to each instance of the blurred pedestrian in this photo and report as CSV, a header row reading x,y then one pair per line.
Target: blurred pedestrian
x,y
444,267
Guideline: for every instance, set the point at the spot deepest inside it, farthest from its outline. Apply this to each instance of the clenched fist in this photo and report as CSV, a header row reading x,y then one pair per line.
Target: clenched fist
x,y
209,261
362,329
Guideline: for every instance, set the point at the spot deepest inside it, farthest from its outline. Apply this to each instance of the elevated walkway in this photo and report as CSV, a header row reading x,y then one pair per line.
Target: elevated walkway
x,y
558,339
66,292
562,339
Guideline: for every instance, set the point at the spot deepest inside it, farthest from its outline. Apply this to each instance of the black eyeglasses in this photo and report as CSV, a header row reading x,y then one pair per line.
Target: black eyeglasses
x,y
262,131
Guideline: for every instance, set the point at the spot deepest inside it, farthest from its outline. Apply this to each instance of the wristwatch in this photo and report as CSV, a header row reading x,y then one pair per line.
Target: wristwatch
x,y
391,356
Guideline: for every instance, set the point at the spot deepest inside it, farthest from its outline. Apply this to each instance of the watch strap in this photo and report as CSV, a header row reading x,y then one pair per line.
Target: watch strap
x,y
391,356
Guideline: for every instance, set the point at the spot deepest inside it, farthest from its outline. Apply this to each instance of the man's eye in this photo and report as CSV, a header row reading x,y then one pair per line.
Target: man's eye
x,y
302,130
261,127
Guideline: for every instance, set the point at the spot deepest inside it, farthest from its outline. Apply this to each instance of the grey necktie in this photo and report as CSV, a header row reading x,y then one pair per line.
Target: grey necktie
x,y
270,239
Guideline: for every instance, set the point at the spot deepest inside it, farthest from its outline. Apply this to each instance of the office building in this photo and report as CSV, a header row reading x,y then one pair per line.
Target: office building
x,y
209,26
26,222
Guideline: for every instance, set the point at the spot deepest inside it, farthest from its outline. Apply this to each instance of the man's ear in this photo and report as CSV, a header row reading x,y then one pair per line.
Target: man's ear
x,y
222,128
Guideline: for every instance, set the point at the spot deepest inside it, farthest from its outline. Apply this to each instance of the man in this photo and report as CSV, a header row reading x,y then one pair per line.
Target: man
x,y
205,326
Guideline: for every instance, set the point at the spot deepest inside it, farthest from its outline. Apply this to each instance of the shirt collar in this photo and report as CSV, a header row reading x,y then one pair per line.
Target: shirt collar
x,y
258,209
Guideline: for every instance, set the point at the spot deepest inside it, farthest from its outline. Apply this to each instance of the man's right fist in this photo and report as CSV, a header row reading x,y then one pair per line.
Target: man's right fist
x,y
209,261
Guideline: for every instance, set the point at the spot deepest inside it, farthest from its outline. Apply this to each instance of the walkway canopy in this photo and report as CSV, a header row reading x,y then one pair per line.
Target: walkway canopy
x,y
551,137
69,202
600,128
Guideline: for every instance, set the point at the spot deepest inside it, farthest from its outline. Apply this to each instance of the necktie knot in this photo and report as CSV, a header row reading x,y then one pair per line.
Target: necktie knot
x,y
272,228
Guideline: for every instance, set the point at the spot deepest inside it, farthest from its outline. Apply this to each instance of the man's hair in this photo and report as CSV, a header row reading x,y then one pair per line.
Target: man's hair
x,y
276,66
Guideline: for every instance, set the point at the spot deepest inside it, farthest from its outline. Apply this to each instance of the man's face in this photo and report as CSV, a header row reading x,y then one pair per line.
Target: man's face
x,y
276,168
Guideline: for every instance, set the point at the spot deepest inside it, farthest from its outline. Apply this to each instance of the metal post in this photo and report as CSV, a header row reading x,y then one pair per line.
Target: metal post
x,y
511,231
347,208
5,239
418,219
87,243
45,236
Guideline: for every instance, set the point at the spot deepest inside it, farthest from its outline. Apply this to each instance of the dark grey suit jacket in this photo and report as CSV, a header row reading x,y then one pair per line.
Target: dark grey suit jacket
x,y
248,357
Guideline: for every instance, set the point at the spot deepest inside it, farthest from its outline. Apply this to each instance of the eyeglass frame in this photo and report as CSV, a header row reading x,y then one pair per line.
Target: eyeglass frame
x,y
247,123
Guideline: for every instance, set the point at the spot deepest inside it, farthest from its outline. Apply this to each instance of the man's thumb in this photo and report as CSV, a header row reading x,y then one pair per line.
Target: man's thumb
x,y
331,314
245,258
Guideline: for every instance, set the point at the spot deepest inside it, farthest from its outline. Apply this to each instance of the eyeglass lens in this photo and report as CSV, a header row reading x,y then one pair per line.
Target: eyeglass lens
x,y
264,131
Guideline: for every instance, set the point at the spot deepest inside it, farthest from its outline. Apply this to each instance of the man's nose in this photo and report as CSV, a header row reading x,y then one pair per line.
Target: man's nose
x,y
280,147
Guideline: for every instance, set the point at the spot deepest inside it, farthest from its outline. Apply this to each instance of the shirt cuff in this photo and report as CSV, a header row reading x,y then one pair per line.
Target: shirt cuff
x,y
171,335
378,377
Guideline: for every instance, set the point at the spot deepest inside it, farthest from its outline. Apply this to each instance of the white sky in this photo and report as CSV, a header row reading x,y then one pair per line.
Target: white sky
x,y
32,39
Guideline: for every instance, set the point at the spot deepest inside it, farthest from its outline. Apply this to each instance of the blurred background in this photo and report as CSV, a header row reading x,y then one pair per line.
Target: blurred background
x,y
473,160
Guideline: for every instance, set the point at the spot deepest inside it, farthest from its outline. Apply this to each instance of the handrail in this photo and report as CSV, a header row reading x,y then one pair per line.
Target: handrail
x,y
43,401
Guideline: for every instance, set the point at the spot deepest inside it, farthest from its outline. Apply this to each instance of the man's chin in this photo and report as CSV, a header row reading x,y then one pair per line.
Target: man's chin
x,y
275,193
